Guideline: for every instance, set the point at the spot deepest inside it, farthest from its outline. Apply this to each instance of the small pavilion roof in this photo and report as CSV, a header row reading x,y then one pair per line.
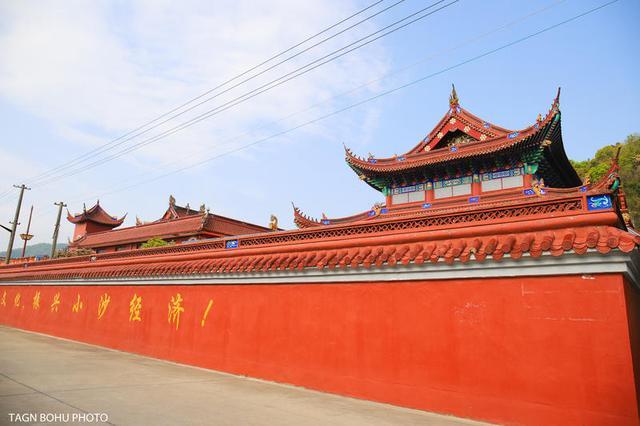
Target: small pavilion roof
x,y
175,211
96,214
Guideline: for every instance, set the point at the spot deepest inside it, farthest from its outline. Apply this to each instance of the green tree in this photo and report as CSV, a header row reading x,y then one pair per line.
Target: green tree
x,y
629,161
155,242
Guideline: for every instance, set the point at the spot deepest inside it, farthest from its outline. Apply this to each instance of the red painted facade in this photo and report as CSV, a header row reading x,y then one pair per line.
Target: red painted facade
x,y
507,304
532,350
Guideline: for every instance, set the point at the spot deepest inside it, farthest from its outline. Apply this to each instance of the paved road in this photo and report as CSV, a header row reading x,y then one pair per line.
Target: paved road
x,y
41,374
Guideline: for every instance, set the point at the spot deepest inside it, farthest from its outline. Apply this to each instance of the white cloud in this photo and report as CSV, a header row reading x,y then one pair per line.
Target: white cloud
x,y
96,71
93,70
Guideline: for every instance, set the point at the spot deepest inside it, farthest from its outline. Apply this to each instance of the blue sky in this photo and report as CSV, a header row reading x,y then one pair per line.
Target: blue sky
x,y
75,75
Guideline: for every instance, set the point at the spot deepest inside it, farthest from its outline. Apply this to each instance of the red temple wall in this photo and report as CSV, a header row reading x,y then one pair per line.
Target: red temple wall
x,y
633,312
529,350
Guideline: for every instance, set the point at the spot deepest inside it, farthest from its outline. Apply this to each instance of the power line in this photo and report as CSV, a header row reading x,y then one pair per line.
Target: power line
x,y
367,100
378,79
116,142
265,87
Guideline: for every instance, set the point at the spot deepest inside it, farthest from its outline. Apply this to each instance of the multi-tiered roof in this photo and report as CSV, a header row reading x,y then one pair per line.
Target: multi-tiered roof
x,y
463,149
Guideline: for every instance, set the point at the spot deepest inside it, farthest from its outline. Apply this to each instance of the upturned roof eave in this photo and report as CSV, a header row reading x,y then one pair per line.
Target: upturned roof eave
x,y
467,151
417,156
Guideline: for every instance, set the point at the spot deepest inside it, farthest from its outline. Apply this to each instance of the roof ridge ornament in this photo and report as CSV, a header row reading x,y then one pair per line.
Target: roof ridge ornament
x,y
453,97
556,102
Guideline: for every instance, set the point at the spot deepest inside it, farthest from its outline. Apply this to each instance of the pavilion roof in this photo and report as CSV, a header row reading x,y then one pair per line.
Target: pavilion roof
x,y
165,229
95,214
482,139
196,223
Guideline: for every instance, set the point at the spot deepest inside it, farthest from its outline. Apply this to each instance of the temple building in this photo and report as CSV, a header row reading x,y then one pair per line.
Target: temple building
x,y
467,164
489,283
94,228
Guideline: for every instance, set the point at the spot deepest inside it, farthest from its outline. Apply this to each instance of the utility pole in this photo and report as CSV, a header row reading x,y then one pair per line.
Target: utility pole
x,y
27,236
60,205
15,221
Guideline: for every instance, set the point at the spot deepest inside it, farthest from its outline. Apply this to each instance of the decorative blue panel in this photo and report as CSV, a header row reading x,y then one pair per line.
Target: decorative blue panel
x,y
512,135
599,202
474,199
453,148
529,192
502,173
426,206
231,244
371,213
486,125
405,189
452,182
401,158
326,222
583,189
372,160
383,211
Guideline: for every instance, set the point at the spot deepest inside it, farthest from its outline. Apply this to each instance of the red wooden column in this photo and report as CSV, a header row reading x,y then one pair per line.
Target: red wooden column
x,y
527,180
476,186
429,193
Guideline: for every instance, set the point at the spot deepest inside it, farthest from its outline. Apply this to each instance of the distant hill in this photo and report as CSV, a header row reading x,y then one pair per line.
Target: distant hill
x,y
39,249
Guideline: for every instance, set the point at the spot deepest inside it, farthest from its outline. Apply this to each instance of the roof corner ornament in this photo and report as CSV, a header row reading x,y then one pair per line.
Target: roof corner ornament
x,y
273,223
453,97
613,179
84,207
172,201
556,102
538,186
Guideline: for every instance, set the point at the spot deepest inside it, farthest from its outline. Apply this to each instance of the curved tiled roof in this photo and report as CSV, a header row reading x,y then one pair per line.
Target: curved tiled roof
x,y
495,139
96,214
204,224
555,242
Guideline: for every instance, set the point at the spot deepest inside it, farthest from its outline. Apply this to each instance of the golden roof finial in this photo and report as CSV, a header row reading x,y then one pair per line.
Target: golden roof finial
x,y
453,97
